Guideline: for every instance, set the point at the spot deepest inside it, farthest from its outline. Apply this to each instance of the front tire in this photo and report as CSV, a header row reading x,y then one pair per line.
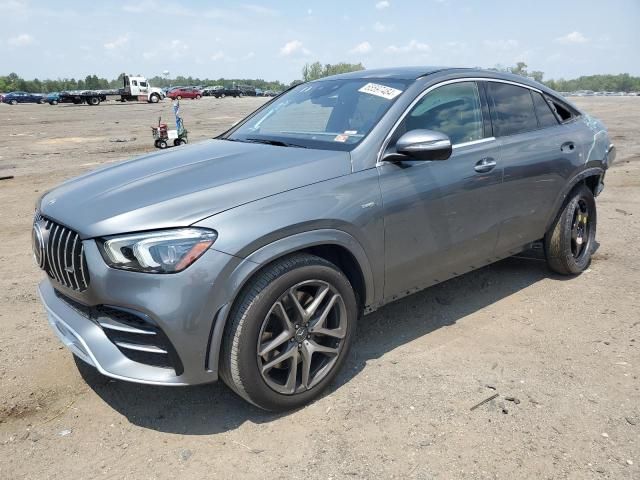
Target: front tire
x,y
289,332
154,98
570,241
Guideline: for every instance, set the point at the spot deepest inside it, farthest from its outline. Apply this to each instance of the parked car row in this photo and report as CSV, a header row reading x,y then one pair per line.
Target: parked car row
x,y
174,93
218,91
591,93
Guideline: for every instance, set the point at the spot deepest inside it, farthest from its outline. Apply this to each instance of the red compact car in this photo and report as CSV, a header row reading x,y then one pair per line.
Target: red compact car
x,y
184,92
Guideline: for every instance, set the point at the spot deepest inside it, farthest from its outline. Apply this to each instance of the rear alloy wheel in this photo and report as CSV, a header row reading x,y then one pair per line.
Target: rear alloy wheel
x,y
289,332
569,243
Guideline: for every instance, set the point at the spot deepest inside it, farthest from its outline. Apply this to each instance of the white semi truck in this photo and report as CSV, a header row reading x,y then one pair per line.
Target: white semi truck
x,y
136,89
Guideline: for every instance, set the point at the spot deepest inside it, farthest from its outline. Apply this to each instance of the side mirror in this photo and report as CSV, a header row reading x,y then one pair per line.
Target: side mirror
x,y
424,145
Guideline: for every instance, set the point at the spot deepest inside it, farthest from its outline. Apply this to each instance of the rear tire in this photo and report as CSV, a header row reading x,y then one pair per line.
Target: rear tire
x,y
198,97
312,343
53,102
178,141
93,101
162,144
570,241
178,97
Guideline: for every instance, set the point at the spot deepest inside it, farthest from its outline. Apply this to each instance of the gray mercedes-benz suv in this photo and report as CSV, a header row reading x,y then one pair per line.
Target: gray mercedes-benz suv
x,y
251,256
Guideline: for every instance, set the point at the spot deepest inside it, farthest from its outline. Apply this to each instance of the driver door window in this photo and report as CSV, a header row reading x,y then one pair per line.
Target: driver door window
x,y
453,109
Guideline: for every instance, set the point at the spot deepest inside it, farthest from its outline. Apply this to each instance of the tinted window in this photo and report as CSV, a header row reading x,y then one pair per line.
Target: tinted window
x,y
512,109
546,118
454,110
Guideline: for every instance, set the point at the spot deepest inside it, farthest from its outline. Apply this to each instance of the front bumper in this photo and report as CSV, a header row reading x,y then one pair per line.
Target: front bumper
x,y
182,307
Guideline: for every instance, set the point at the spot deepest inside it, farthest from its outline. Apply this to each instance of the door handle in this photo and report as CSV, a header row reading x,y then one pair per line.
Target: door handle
x,y
568,147
485,165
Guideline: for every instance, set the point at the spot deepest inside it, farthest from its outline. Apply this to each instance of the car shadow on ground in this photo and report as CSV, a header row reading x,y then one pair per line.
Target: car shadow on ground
x,y
210,409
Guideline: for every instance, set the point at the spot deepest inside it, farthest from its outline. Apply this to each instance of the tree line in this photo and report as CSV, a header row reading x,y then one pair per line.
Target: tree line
x,y
622,82
13,82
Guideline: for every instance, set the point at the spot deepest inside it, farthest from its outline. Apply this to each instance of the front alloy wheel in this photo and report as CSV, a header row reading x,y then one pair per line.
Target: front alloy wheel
x,y
289,332
301,337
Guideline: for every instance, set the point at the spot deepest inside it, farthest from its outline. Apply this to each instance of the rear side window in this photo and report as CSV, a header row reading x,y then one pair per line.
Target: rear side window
x,y
513,110
564,113
546,118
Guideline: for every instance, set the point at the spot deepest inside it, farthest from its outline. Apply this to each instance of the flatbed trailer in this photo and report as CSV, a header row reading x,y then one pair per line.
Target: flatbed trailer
x,y
135,89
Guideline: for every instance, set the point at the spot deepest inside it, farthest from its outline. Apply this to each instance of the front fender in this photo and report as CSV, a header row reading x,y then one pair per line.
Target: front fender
x,y
234,283
312,238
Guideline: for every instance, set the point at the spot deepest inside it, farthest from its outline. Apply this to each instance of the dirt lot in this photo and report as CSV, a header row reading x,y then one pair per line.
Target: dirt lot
x,y
567,349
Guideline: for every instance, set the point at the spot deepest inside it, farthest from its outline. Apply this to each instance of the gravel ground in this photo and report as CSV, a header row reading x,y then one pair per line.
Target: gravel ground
x,y
562,354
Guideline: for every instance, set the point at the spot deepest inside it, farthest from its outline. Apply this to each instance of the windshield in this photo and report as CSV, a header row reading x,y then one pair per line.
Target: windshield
x,y
330,114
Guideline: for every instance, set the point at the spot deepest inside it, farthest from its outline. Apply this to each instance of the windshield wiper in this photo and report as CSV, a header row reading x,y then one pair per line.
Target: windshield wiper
x,y
277,143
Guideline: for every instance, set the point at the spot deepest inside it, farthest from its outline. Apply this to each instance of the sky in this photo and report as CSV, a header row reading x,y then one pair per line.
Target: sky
x,y
273,40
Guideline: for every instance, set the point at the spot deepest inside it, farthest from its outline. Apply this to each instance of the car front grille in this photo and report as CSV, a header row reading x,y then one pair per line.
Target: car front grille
x,y
59,252
135,335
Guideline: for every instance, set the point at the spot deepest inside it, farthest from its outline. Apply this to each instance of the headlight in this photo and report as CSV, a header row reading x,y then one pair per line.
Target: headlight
x,y
164,251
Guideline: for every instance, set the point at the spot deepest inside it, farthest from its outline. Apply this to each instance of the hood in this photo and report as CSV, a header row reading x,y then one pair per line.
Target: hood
x,y
183,185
